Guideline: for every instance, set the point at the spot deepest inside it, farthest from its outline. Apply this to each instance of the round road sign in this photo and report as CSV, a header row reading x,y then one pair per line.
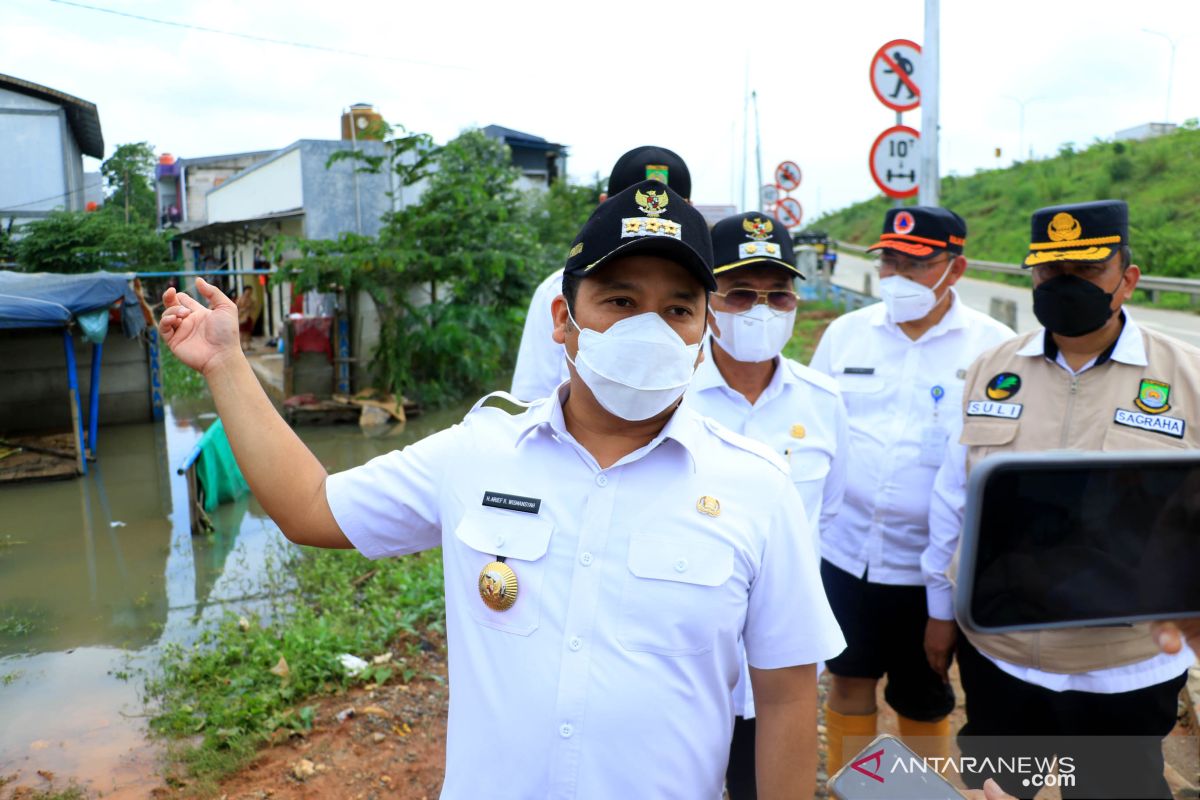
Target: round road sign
x,y
789,212
787,176
769,194
895,161
896,74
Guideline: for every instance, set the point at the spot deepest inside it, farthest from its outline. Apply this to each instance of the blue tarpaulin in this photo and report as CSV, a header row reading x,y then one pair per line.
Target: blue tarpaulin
x,y
50,300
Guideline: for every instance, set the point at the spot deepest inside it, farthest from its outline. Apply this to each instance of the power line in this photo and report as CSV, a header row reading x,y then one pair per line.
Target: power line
x,y
67,193
256,38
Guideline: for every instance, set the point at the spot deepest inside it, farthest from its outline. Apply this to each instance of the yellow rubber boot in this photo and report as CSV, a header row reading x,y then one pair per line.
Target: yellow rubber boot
x,y
927,739
840,726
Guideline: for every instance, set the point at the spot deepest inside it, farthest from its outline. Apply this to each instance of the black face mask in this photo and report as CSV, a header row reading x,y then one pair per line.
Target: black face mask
x,y
1070,306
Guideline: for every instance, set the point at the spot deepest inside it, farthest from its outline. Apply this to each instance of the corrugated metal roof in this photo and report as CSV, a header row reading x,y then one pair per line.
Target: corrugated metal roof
x,y
82,116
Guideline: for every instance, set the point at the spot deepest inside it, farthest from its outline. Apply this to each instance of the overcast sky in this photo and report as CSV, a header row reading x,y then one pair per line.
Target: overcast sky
x,y
607,76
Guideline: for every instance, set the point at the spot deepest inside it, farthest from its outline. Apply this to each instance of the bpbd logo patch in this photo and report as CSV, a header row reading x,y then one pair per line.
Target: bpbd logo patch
x,y
1003,386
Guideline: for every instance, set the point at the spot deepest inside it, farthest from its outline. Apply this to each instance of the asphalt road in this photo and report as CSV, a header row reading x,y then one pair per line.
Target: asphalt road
x,y
978,294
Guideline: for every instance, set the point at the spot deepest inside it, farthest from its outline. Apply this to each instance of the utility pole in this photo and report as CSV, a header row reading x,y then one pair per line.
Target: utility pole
x,y
126,174
928,192
1170,70
758,148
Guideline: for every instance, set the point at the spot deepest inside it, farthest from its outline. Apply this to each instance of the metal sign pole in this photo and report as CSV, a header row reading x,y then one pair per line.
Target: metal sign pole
x,y
930,177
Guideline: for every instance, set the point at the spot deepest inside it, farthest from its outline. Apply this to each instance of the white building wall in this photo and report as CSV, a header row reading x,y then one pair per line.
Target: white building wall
x,y
270,187
32,176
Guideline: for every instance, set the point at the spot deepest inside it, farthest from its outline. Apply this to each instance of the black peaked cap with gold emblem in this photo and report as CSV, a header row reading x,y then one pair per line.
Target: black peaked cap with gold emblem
x,y
751,238
922,232
1078,232
649,162
648,218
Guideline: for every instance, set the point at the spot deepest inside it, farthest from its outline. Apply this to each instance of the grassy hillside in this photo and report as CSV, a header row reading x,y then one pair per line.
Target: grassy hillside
x,y
1159,178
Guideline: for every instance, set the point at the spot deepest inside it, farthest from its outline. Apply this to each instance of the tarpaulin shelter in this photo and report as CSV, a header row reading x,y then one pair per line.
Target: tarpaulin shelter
x,y
51,300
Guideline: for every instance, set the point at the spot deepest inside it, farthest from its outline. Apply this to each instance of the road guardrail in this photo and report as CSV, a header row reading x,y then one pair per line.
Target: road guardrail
x,y
1152,285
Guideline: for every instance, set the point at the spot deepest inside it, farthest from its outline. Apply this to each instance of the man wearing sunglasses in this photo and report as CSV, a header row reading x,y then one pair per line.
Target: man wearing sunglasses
x,y
746,385
900,366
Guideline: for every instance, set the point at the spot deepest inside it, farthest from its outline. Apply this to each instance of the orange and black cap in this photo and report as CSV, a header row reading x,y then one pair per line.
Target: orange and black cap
x,y
922,232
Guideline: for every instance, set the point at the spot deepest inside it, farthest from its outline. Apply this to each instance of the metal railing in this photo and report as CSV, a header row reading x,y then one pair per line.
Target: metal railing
x,y
1152,285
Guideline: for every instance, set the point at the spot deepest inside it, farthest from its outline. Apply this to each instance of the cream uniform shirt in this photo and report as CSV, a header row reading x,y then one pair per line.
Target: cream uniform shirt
x,y
612,674
903,399
945,527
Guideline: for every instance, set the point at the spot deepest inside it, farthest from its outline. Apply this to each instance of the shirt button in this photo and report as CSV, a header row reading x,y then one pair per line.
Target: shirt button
x,y
585,559
575,643
681,565
565,730
500,540
602,479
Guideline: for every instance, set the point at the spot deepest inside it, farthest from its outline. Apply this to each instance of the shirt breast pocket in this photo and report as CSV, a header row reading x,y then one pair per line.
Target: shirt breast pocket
x,y
988,435
675,595
522,540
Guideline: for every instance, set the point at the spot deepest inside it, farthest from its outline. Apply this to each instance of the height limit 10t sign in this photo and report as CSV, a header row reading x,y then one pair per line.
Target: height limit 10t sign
x,y
896,161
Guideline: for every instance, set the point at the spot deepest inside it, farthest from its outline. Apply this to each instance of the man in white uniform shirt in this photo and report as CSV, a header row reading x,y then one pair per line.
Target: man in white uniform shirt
x,y
746,385
541,366
606,552
900,365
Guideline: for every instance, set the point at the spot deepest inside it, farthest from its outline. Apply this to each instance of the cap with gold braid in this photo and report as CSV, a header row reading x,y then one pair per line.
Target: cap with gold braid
x,y
1078,232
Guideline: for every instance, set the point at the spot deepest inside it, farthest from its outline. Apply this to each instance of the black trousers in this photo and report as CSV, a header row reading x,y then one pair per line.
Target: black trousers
x,y
1113,741
739,775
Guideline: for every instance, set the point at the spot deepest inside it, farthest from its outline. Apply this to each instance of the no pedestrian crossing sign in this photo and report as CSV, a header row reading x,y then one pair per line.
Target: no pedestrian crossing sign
x,y
787,176
789,212
896,160
896,74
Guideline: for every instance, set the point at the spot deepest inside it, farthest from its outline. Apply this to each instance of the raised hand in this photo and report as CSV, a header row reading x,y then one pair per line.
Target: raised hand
x,y
200,337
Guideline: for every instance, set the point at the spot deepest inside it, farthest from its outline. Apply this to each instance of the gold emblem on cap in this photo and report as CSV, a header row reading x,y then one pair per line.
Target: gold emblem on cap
x,y
799,431
498,586
651,202
1064,228
758,228
709,505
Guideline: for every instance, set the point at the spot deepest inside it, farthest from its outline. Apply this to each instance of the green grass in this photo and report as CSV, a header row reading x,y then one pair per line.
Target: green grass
x,y
218,701
811,320
1156,177
178,379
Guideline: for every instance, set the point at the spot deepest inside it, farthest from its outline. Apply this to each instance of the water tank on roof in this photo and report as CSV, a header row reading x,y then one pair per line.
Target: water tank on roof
x,y
365,121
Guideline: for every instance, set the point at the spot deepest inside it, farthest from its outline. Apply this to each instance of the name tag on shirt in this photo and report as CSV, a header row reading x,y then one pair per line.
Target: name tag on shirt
x,y
859,371
933,446
512,502
986,408
1170,426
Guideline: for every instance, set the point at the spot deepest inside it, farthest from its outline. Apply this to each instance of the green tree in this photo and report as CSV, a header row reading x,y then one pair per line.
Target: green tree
x,y
556,216
83,241
450,275
129,175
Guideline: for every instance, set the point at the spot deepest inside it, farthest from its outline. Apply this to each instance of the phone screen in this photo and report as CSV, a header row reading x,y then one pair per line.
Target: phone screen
x,y
1064,543
887,770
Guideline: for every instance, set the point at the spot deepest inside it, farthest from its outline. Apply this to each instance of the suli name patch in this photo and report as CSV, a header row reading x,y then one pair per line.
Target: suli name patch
x,y
1169,426
987,408
512,502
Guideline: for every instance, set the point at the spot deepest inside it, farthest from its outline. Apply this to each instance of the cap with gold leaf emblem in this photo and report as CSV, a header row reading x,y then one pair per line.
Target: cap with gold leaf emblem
x,y
498,586
752,238
648,218
1078,232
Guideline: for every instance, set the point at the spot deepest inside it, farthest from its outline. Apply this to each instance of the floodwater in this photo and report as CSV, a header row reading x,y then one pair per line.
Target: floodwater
x,y
97,573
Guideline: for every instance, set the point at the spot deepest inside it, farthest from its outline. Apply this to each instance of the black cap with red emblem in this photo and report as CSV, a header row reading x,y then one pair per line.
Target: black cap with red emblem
x,y
922,232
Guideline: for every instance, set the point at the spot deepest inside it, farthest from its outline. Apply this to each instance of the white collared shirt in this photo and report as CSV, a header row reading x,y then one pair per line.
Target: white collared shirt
x,y
945,526
801,417
541,361
887,382
611,676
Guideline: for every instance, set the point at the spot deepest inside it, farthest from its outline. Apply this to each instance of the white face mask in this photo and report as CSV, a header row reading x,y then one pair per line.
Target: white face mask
x,y
637,368
755,335
907,300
